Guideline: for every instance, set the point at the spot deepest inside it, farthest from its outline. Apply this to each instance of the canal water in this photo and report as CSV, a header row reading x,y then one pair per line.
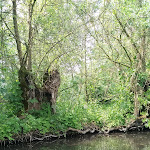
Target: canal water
x,y
115,141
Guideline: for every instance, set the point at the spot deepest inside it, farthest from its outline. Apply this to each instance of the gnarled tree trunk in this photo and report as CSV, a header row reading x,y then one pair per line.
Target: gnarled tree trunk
x,y
50,88
30,91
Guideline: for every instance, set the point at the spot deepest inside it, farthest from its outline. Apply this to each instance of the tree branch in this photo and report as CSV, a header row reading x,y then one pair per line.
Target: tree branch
x,y
9,28
120,42
126,33
60,41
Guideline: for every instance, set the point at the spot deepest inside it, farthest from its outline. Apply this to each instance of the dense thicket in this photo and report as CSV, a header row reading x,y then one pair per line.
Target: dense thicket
x,y
73,64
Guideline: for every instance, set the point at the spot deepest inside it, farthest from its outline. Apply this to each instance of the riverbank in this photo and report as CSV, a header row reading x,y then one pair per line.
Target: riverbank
x,y
71,118
134,125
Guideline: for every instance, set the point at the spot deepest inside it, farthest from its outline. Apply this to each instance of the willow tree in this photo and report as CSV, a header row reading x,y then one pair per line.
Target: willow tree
x,y
121,33
133,39
25,61
122,36
25,35
45,33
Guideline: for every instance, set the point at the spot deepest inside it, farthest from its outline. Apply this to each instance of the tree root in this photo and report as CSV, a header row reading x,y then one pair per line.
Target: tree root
x,y
37,136
88,130
135,125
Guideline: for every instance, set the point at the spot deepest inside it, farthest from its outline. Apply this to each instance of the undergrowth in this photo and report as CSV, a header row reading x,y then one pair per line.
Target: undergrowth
x,y
70,114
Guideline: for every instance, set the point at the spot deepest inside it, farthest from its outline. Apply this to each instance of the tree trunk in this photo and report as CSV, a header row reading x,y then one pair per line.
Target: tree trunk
x,y
17,37
140,68
30,91
134,88
136,104
85,69
24,73
30,35
50,88
143,52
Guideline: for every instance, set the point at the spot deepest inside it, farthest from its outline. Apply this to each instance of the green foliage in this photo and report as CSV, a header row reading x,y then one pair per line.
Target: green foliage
x,y
147,94
10,91
14,96
96,50
70,113
31,123
77,113
9,126
34,100
142,78
147,122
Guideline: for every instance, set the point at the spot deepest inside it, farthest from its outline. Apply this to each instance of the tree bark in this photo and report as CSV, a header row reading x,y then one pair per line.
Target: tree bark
x,y
30,91
136,103
85,67
24,73
17,37
140,68
30,35
143,52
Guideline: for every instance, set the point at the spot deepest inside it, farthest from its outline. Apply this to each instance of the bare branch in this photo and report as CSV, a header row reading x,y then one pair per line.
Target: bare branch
x,y
124,48
126,33
53,47
9,29
61,41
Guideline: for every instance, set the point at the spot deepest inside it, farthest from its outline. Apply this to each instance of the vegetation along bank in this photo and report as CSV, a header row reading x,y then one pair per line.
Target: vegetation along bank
x,y
70,67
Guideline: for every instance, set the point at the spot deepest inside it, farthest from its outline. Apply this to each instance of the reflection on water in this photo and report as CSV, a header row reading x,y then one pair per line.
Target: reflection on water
x,y
117,141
